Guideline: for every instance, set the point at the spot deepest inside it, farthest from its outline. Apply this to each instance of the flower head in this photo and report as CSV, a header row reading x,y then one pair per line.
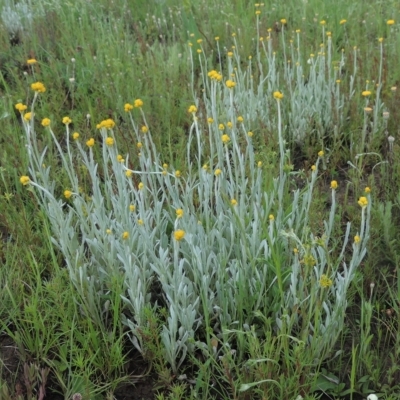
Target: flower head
x,y
28,116
75,136
46,121
240,119
179,213
210,120
363,202
90,142
342,21
106,123
132,208
38,87
67,194
321,153
217,172
325,282
21,107
366,93
128,173
66,120
357,239
125,235
367,190
283,21
31,61
179,235
225,139
278,95
271,217
109,141
128,107
334,185
24,180
390,21
178,173
141,185
313,168
230,84
138,103
233,202
192,109
144,129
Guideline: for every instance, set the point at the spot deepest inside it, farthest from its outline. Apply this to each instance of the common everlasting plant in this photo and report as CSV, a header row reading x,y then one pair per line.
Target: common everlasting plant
x,y
217,245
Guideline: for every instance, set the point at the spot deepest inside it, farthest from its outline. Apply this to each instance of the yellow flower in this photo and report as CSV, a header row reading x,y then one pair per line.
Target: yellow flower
x,y
178,173
138,103
125,235
390,22
240,119
128,107
342,21
334,185
38,87
325,282
109,141
66,120
179,213
225,139
313,167
357,239
128,173
321,153
165,166
283,21
132,208
107,123
144,129
278,95
380,40
140,221
367,190
108,231
199,41
141,185
230,54
230,84
90,142
221,127
258,12
217,172
120,158
28,116
250,134
75,136
216,38
192,109
363,201
24,180
271,217
67,194
45,121
139,145
323,22
21,107
259,164
229,124
31,61
179,235
198,51
210,120
366,93
295,250
233,202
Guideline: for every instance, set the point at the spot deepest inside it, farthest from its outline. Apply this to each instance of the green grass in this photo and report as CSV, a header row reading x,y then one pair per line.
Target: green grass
x,y
82,336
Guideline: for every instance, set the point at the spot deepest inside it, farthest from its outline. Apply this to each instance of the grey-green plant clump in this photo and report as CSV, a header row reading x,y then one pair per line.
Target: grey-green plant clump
x,y
204,192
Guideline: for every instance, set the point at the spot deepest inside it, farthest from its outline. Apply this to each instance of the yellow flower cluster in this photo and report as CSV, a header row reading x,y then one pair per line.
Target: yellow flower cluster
x,y
67,194
325,282
138,103
107,123
75,136
179,234
278,95
38,87
128,107
215,75
31,61
225,139
363,202
192,109
334,185
21,107
24,180
46,121
90,142
66,120
109,141
230,84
